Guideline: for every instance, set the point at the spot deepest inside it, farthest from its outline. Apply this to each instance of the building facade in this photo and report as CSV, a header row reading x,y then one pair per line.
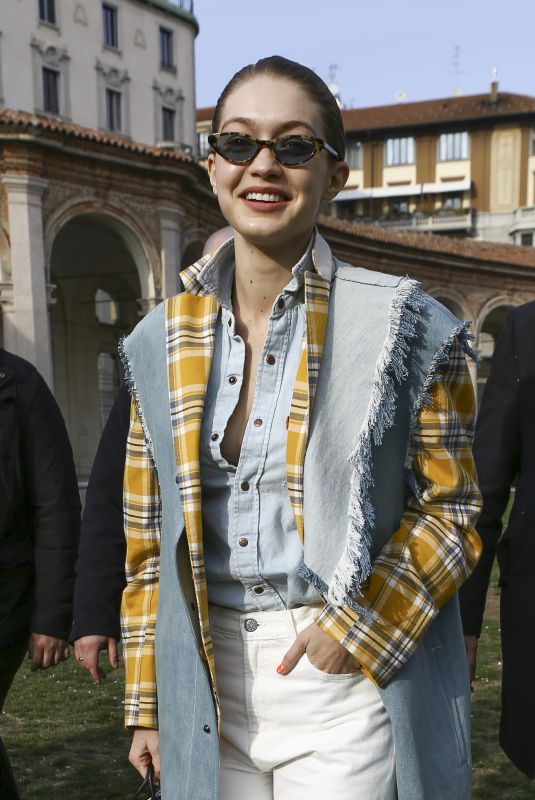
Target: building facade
x,y
125,66
463,166
477,281
93,230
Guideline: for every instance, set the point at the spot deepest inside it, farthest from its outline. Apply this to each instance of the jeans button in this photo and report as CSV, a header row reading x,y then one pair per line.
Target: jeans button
x,y
250,625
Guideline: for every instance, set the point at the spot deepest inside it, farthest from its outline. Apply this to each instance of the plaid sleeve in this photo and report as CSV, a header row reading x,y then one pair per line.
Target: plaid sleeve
x,y
142,517
436,546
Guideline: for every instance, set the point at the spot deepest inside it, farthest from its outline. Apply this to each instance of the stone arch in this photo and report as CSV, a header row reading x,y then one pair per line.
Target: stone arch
x,y
489,325
86,253
452,299
192,252
136,239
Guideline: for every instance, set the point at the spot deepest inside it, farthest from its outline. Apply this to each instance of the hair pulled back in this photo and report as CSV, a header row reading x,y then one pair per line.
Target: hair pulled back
x,y
312,84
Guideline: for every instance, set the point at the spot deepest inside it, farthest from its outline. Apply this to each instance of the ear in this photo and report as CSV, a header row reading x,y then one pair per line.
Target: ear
x,y
212,172
337,179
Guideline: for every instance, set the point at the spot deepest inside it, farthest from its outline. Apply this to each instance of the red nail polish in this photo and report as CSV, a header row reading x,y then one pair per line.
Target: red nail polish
x,y
281,669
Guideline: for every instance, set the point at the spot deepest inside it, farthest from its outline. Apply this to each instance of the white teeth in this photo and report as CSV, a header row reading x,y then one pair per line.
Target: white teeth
x,y
265,198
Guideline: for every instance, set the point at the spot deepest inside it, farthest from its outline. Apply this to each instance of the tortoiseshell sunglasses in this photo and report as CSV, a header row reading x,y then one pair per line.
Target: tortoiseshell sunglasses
x,y
240,148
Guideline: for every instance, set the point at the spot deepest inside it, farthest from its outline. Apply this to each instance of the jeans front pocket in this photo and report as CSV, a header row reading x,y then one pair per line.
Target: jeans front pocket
x,y
330,677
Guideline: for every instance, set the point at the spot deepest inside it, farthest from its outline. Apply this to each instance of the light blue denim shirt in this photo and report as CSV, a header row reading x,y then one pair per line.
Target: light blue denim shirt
x,y
252,547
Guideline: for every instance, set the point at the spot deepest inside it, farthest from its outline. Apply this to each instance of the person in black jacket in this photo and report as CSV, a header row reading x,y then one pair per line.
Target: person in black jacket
x,y
100,571
39,529
504,450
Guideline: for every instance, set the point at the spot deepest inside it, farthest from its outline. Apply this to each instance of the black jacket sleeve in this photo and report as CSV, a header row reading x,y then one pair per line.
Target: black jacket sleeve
x,y
100,569
497,451
55,509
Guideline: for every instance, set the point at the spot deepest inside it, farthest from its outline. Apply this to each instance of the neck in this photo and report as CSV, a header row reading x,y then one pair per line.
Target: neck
x,y
262,274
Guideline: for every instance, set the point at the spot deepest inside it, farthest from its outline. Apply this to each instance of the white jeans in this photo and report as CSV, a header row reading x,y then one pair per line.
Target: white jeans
x,y
307,735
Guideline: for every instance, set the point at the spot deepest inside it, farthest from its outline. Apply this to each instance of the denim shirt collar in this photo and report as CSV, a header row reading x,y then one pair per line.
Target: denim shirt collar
x,y
213,274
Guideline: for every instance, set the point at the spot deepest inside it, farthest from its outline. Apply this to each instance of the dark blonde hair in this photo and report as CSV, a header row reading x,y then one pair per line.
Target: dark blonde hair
x,y
317,90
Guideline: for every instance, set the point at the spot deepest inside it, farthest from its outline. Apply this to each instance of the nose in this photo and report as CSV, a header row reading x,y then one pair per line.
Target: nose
x,y
265,163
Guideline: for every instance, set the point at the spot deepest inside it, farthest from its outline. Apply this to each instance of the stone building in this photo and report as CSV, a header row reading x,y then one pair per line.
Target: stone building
x,y
93,228
478,281
125,66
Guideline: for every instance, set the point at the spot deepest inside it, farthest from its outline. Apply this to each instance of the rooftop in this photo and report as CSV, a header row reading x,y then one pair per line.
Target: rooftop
x,y
468,249
471,108
433,112
23,122
179,8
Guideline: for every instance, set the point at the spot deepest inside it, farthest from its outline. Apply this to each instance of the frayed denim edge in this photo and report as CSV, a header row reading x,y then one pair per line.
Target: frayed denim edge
x,y
354,566
131,386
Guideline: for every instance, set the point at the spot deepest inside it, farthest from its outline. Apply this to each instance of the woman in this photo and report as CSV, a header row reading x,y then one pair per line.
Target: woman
x,y
299,494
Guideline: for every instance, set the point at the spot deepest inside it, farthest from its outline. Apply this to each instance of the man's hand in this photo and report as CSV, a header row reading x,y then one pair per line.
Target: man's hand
x,y
145,748
46,651
322,651
470,643
87,652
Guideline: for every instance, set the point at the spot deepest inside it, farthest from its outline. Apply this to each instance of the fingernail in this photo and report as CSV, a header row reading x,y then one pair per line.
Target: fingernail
x,y
281,669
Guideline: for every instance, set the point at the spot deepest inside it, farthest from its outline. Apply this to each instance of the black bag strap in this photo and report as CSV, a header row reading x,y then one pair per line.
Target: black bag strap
x,y
149,784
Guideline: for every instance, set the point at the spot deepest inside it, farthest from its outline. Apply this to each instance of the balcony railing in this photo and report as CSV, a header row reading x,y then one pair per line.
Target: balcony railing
x,y
187,5
443,221
523,220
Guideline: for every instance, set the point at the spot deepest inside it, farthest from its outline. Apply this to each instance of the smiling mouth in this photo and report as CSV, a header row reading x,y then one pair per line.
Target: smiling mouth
x,y
265,198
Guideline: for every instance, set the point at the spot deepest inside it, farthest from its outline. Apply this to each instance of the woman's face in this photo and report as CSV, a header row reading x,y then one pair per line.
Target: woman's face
x,y
267,107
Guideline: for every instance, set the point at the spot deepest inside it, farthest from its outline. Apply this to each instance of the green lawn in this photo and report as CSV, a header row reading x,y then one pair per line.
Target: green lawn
x,y
65,735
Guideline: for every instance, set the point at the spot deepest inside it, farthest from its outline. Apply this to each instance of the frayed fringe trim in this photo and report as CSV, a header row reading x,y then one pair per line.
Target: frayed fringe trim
x,y
131,386
321,587
354,566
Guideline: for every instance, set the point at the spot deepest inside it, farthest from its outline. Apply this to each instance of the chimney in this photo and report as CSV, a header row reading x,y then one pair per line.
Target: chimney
x,y
494,87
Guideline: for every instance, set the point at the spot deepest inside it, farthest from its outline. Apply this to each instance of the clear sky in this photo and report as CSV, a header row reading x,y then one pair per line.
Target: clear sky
x,y
423,48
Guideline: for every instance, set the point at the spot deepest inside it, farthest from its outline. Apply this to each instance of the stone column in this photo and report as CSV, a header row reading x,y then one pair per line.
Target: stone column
x,y
171,247
27,330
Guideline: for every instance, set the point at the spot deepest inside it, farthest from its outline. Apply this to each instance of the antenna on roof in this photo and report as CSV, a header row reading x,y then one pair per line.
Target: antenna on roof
x,y
457,71
494,86
333,86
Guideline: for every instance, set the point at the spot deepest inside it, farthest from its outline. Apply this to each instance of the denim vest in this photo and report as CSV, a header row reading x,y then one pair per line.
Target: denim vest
x,y
383,344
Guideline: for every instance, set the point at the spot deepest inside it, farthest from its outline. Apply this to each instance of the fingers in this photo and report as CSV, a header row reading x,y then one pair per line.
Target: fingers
x,y
145,748
113,656
293,655
87,651
470,643
46,651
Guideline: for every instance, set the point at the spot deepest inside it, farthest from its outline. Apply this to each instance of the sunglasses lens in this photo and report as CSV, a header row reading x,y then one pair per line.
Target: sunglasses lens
x,y
235,147
293,150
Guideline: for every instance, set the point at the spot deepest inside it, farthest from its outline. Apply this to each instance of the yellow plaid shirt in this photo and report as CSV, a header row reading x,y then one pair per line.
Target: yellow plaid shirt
x,y
419,569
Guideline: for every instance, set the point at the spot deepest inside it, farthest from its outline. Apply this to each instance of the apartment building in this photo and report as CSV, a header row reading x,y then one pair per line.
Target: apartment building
x,y
123,66
463,166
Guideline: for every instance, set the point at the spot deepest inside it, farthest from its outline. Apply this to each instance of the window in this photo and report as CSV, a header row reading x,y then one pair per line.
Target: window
x,y
109,381
526,239
399,151
452,201
166,48
168,124
354,154
453,146
533,142
47,11
202,144
113,110
109,23
50,90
